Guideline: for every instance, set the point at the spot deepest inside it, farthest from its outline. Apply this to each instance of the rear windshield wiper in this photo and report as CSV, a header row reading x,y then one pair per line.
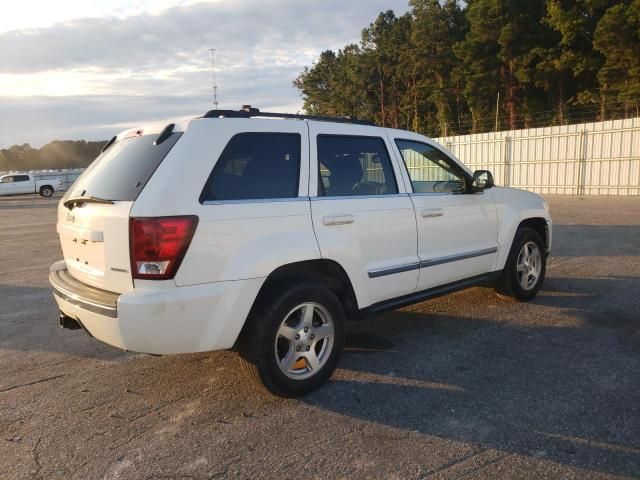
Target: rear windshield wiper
x,y
72,202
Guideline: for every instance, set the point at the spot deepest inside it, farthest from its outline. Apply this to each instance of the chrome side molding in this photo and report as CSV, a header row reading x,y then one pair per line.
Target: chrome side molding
x,y
381,272
460,256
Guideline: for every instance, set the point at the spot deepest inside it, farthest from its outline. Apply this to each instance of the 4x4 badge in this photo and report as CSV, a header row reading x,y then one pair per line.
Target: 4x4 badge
x,y
70,218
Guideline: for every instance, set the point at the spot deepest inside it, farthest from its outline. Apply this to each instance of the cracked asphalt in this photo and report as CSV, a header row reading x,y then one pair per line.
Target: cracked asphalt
x,y
467,385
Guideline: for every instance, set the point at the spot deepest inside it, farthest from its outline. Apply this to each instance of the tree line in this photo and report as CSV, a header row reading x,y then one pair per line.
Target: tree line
x,y
448,67
54,155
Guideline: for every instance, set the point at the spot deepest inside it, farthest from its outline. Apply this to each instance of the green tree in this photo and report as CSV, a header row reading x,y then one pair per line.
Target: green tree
x,y
496,56
316,84
382,46
54,155
574,55
436,88
439,68
617,38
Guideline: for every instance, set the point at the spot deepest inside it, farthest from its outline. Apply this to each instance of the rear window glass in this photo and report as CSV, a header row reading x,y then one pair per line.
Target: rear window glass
x,y
122,171
256,166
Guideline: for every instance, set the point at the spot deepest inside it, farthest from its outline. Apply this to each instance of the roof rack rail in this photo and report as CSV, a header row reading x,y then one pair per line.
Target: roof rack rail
x,y
247,112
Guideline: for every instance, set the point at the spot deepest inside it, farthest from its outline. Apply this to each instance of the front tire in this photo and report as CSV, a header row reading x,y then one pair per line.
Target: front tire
x,y
525,268
292,344
46,191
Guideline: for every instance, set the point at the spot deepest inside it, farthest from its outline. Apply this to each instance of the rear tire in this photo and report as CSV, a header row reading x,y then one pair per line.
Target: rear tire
x,y
46,191
293,341
525,268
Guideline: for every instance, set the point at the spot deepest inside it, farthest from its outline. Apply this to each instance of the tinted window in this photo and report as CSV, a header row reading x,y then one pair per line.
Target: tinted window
x,y
430,170
354,166
256,166
123,169
21,178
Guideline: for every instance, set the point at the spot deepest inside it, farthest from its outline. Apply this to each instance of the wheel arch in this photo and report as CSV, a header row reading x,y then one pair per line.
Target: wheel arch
x,y
538,223
42,187
328,273
324,271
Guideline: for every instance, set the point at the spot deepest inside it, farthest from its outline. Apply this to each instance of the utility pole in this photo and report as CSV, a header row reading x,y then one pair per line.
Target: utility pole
x,y
497,110
213,77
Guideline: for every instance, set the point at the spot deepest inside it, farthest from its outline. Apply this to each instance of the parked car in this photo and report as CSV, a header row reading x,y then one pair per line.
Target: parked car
x,y
238,230
23,183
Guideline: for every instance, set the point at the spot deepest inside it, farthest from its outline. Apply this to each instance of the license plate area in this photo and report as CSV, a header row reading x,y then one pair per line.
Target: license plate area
x,y
81,254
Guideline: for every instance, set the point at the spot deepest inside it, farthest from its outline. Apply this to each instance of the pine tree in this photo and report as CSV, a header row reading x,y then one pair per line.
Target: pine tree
x,y
438,69
576,21
382,44
436,28
617,37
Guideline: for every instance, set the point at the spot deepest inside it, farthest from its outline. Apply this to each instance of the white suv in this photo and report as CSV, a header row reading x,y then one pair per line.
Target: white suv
x,y
266,232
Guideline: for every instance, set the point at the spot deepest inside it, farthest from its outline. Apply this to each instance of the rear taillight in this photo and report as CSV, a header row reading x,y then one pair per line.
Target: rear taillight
x,y
159,244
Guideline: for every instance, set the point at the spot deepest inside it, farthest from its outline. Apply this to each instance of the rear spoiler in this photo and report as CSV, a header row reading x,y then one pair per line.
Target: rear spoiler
x,y
162,129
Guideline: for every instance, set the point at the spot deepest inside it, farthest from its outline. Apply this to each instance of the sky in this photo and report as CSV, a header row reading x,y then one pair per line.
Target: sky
x,y
84,69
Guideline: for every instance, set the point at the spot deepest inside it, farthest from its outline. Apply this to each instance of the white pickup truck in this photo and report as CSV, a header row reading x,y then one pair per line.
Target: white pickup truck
x,y
23,183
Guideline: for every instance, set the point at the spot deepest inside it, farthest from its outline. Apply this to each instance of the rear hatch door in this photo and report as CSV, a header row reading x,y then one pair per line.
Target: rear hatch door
x,y
93,216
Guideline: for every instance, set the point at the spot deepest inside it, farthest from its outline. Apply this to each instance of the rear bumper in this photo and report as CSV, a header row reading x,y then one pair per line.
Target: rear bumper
x,y
187,319
78,294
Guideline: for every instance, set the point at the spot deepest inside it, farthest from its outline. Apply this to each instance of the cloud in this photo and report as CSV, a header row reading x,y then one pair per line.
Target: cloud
x,y
80,77
37,120
245,33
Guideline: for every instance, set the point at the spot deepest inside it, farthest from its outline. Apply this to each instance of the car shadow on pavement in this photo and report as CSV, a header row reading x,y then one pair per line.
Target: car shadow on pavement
x,y
566,394
29,322
595,240
608,301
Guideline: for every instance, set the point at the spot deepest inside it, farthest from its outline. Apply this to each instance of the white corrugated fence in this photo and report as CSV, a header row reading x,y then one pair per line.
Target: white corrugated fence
x,y
600,158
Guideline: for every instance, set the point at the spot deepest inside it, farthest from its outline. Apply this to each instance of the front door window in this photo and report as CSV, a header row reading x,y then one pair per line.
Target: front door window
x,y
430,170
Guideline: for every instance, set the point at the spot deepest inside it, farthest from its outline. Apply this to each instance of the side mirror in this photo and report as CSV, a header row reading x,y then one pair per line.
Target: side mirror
x,y
482,179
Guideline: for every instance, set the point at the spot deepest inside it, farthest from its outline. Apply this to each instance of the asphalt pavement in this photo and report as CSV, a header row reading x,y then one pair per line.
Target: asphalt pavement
x,y
467,385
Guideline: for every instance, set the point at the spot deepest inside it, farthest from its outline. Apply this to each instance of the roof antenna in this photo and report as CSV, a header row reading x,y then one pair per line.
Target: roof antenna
x,y
213,76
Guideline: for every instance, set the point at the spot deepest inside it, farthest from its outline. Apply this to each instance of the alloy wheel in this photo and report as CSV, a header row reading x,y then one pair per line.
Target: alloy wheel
x,y
529,265
304,341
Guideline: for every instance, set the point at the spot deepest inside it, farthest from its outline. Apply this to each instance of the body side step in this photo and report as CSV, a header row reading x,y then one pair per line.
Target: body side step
x,y
486,279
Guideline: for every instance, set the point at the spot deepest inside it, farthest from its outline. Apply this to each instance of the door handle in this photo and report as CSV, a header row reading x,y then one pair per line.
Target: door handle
x,y
432,212
337,219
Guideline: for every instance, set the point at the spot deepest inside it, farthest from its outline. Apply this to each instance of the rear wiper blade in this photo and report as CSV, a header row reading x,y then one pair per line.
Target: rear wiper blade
x,y
108,144
72,202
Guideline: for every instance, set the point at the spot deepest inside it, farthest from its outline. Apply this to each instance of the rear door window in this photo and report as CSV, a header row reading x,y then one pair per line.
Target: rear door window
x,y
256,166
121,172
354,166
21,178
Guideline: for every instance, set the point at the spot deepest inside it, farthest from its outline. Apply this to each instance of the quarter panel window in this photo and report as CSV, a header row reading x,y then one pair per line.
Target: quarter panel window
x,y
256,166
354,166
430,170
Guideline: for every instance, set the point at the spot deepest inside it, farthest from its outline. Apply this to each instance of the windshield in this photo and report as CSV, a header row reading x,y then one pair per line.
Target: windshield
x,y
121,172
